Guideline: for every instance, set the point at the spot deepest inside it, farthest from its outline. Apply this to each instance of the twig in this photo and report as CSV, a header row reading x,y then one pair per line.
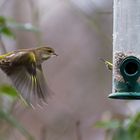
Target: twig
x,y
3,48
44,133
3,4
35,19
78,132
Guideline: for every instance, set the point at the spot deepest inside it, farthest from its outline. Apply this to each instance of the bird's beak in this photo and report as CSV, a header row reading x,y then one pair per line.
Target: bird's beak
x,y
55,54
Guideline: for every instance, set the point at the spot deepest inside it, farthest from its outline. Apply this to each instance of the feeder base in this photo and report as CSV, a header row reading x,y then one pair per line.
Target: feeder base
x,y
125,95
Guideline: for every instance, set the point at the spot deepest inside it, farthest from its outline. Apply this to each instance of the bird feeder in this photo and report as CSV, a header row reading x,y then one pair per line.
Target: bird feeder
x,y
126,50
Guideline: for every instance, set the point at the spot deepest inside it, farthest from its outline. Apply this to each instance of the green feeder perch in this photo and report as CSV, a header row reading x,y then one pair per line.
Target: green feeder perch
x,y
126,50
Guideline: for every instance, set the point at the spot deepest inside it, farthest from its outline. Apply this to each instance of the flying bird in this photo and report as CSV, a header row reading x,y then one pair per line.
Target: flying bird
x,y
24,69
108,64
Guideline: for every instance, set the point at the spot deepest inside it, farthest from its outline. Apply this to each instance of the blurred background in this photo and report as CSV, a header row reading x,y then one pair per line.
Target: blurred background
x,y
80,31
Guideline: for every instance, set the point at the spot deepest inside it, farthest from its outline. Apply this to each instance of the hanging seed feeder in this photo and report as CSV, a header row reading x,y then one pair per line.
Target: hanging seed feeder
x,y
126,50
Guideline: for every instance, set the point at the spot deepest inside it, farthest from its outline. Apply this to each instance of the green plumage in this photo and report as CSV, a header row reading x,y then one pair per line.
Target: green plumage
x,y
25,70
108,64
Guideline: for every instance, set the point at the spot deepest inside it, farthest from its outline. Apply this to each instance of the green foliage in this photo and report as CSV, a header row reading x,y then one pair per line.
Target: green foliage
x,y
27,26
4,29
7,121
114,124
5,116
8,90
121,133
126,129
7,24
8,118
134,127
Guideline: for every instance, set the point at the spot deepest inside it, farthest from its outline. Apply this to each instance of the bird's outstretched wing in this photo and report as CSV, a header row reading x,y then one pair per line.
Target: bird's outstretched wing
x,y
29,80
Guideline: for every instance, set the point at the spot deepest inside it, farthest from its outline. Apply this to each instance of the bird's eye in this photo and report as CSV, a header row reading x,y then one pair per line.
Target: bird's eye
x,y
50,51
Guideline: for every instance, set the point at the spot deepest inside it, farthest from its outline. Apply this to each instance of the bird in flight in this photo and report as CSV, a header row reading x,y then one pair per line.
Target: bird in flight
x,y
108,64
24,69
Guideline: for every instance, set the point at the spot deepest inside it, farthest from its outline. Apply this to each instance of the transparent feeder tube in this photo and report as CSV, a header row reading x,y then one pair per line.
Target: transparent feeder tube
x,y
126,43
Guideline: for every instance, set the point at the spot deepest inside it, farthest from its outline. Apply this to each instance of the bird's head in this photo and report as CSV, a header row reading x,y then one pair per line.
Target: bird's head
x,y
46,52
